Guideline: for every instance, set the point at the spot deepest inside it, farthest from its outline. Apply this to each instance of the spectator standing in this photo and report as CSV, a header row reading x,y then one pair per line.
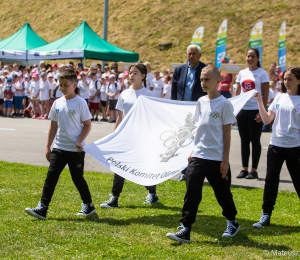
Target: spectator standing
x,y
249,120
113,90
167,88
225,85
45,93
150,75
94,95
157,85
83,87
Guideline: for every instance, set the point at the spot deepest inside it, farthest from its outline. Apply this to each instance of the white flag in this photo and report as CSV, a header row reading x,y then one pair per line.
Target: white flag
x,y
154,140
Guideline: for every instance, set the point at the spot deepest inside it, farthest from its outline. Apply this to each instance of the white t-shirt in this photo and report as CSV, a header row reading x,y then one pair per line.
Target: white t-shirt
x,y
103,93
126,84
19,85
128,98
286,126
84,89
8,91
27,88
149,79
93,90
167,91
212,116
52,87
2,85
69,115
35,88
44,90
252,80
158,86
112,89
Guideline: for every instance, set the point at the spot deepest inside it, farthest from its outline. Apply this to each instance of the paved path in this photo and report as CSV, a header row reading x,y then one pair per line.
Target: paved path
x,y
23,140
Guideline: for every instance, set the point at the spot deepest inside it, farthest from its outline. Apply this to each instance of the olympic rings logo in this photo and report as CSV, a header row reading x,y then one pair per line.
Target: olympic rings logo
x,y
72,112
214,115
293,109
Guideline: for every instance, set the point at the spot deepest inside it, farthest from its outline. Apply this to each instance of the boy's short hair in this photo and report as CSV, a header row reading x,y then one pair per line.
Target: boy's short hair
x,y
215,71
272,82
68,74
168,77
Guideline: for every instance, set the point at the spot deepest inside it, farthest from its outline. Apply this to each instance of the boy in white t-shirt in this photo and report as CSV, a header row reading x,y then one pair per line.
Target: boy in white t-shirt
x,y
70,125
210,156
167,88
113,90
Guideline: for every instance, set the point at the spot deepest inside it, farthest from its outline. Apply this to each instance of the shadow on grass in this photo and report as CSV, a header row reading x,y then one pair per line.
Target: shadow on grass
x,y
209,226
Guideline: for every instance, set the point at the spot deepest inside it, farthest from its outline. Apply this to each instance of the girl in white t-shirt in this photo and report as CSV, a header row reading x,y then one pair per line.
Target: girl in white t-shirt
x,y
249,120
103,98
137,75
45,90
285,140
19,95
35,95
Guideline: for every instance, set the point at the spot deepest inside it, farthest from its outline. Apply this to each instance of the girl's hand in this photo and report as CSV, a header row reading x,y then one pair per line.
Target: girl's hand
x,y
258,118
257,96
224,168
48,154
189,158
79,147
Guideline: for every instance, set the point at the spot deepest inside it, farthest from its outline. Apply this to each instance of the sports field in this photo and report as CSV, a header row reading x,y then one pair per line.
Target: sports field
x,y
135,231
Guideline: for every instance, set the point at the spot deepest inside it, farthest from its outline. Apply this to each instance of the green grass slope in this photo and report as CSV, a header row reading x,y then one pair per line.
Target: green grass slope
x,y
141,25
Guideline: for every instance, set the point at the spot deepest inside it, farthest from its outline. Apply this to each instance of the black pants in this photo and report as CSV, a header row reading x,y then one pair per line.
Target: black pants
x,y
119,183
58,161
250,131
275,158
197,170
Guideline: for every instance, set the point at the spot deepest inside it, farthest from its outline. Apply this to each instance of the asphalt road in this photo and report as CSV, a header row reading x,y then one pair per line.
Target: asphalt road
x,y
23,140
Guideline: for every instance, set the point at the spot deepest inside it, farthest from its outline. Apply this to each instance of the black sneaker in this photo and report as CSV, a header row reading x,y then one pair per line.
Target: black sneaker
x,y
182,236
96,119
151,198
242,174
264,221
112,203
181,178
87,209
92,119
39,212
232,228
252,175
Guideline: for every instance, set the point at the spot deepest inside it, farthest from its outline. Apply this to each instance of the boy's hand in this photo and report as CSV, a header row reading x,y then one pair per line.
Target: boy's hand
x,y
48,154
79,147
257,96
224,168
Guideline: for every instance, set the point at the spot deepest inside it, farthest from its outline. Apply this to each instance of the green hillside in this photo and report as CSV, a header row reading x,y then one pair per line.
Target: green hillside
x,y
141,25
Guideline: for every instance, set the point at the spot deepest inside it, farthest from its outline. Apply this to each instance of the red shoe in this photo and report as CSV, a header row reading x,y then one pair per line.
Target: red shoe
x,y
40,117
35,116
44,117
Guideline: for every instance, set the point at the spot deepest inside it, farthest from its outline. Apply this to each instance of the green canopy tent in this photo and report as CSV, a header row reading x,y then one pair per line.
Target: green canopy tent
x,y
83,42
15,48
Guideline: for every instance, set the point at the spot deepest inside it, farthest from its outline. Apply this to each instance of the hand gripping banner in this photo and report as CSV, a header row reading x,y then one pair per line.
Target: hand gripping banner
x,y
154,140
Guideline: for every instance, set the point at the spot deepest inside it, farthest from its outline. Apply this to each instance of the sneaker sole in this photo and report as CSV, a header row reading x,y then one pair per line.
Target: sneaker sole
x,y
107,206
175,238
84,214
259,225
151,202
33,214
227,235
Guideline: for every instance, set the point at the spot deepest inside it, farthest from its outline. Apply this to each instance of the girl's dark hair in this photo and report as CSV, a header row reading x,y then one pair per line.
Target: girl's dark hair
x,y
296,71
257,55
69,74
142,68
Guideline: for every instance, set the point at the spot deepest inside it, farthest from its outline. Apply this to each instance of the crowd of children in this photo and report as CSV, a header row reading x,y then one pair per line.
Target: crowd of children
x,y
30,92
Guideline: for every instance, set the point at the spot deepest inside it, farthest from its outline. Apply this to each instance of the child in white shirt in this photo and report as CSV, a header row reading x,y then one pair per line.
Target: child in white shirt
x,y
210,157
45,90
167,88
8,90
18,95
35,94
70,125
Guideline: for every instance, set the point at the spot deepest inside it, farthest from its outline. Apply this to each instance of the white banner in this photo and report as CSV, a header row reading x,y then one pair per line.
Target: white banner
x,y
154,140
16,55
55,54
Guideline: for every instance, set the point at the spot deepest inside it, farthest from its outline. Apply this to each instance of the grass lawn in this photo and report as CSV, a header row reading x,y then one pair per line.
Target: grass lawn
x,y
135,231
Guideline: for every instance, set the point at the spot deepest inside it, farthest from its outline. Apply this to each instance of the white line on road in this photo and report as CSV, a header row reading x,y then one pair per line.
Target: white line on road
x,y
8,129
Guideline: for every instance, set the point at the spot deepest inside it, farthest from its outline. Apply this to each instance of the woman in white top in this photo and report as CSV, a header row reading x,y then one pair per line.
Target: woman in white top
x,y
137,75
249,120
45,90
285,139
